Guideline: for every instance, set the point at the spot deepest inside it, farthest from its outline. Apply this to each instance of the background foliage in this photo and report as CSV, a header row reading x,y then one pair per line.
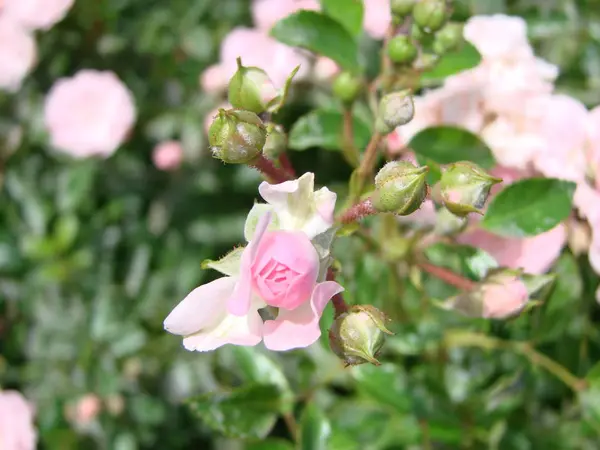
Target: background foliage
x,y
94,254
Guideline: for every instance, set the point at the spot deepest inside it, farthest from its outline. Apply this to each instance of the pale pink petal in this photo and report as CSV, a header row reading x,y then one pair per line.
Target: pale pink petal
x,y
504,298
587,201
36,14
498,36
300,327
377,17
18,54
17,431
203,307
167,155
213,79
267,13
534,255
241,298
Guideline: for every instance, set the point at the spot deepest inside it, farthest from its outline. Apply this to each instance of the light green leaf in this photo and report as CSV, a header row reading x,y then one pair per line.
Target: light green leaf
x,y
385,384
349,13
318,33
248,412
270,444
228,264
324,128
529,207
466,57
447,144
315,429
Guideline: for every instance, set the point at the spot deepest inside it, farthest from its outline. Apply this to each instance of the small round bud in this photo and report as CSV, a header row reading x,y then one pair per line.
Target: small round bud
x,y
448,224
430,15
276,142
465,187
400,187
402,8
346,87
356,336
251,89
447,38
236,137
395,109
401,50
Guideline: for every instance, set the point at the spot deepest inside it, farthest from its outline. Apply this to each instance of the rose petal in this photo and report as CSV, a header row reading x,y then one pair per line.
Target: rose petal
x,y
241,297
202,307
300,327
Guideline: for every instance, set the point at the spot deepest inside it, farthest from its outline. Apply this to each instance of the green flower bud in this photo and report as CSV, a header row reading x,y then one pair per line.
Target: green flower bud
x,y
395,109
401,50
430,15
400,188
276,142
448,224
402,8
346,87
236,137
356,336
464,188
447,38
251,89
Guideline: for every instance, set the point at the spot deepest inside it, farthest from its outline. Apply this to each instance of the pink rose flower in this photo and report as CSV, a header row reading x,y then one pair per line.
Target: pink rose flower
x,y
168,155
377,18
282,266
17,431
18,54
498,36
266,13
504,298
37,14
89,114
213,79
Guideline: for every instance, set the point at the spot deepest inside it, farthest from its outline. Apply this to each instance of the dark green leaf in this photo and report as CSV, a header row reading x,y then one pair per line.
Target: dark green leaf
x,y
248,412
314,429
529,207
386,384
451,63
321,34
323,128
446,144
349,13
270,444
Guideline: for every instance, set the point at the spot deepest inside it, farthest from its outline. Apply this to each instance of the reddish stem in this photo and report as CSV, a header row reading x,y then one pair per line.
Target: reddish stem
x,y
268,169
448,276
339,305
286,164
358,211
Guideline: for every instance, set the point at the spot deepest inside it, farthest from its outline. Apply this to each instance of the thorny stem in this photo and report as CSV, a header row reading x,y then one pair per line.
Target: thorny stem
x,y
339,305
448,276
366,166
272,172
349,150
357,211
470,339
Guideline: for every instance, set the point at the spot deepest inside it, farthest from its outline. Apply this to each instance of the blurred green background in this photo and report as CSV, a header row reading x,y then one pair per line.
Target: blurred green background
x,y
94,254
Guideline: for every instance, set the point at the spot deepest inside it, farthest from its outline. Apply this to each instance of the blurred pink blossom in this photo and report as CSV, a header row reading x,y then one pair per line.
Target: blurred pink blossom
x,y
325,68
267,13
503,297
85,410
498,36
377,18
213,79
36,14
18,54
17,431
168,155
89,114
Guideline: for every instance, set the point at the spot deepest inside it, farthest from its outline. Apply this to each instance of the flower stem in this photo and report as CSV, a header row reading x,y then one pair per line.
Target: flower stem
x,y
470,339
366,167
357,211
349,150
269,170
448,276
286,164
339,305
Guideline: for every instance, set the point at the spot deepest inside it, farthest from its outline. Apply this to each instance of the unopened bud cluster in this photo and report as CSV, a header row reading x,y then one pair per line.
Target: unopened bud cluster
x,y
357,335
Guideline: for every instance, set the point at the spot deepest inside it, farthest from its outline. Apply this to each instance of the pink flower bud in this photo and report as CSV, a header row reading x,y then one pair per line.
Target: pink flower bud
x,y
168,155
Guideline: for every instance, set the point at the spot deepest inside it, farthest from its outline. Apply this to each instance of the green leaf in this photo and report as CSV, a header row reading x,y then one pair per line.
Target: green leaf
x,y
447,144
385,384
349,13
248,412
270,444
451,63
259,368
314,429
321,34
529,207
228,264
324,128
